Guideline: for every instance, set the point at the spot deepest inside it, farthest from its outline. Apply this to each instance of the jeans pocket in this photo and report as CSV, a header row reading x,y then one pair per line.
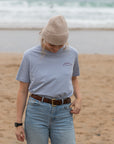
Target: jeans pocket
x,y
67,106
33,102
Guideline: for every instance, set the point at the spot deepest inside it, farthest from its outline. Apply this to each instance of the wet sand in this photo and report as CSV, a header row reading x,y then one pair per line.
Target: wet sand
x,y
94,124
86,41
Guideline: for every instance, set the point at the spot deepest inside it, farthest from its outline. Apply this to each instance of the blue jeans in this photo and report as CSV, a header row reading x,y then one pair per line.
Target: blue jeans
x,y
43,121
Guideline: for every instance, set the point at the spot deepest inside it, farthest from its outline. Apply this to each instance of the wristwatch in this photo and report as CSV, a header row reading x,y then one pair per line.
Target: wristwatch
x,y
18,124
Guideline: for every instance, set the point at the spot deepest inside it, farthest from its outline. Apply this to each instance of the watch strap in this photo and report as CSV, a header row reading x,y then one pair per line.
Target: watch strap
x,y
18,124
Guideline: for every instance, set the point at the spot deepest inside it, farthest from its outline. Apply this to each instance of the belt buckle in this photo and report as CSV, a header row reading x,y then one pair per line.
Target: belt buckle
x,y
53,102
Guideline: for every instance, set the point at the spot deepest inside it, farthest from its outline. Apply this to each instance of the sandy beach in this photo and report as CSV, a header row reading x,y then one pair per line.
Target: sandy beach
x,y
94,124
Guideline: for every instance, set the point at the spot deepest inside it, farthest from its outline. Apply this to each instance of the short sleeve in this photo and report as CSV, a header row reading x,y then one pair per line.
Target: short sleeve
x,y
23,72
76,71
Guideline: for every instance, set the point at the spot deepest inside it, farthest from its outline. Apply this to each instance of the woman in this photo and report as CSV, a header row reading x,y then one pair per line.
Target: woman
x,y
49,72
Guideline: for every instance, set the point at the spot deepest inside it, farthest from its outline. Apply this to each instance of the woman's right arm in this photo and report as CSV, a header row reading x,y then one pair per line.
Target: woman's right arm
x,y
21,103
21,100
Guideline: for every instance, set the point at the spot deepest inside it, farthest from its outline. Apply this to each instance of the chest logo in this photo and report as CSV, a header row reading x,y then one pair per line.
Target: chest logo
x,y
67,64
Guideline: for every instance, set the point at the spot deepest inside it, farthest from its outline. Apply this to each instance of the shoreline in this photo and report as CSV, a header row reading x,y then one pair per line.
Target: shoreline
x,y
71,29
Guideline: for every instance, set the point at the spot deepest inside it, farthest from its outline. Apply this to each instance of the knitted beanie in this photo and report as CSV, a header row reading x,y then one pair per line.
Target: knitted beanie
x,y
56,31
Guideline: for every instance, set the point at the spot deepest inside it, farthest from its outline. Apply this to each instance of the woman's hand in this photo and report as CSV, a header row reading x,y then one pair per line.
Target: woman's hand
x,y
77,106
20,134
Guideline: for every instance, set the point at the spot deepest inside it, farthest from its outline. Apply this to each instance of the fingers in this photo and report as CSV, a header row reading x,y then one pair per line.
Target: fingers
x,y
76,111
20,134
76,107
20,137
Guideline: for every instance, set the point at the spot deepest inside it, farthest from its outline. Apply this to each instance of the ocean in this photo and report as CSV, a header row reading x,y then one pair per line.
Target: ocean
x,y
78,13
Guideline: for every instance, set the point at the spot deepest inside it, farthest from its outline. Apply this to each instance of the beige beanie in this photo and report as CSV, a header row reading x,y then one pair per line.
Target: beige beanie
x,y
56,31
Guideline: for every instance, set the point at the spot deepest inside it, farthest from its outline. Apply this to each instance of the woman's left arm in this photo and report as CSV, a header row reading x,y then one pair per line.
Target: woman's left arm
x,y
77,102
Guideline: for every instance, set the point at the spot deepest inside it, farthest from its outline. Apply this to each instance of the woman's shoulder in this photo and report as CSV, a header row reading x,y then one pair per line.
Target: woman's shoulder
x,y
32,50
73,50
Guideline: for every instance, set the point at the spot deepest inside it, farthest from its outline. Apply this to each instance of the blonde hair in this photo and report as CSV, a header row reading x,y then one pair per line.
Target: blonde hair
x,y
43,45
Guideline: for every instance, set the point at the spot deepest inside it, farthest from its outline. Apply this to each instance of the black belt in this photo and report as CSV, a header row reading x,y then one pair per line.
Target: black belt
x,y
54,102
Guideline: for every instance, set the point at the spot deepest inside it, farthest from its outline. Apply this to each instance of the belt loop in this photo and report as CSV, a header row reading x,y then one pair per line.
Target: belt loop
x,y
42,99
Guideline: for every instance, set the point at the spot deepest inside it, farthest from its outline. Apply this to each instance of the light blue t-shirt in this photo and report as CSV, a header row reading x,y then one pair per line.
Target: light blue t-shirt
x,y
49,74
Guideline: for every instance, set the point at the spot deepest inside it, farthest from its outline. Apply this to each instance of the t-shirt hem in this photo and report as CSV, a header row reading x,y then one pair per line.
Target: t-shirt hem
x,y
22,80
